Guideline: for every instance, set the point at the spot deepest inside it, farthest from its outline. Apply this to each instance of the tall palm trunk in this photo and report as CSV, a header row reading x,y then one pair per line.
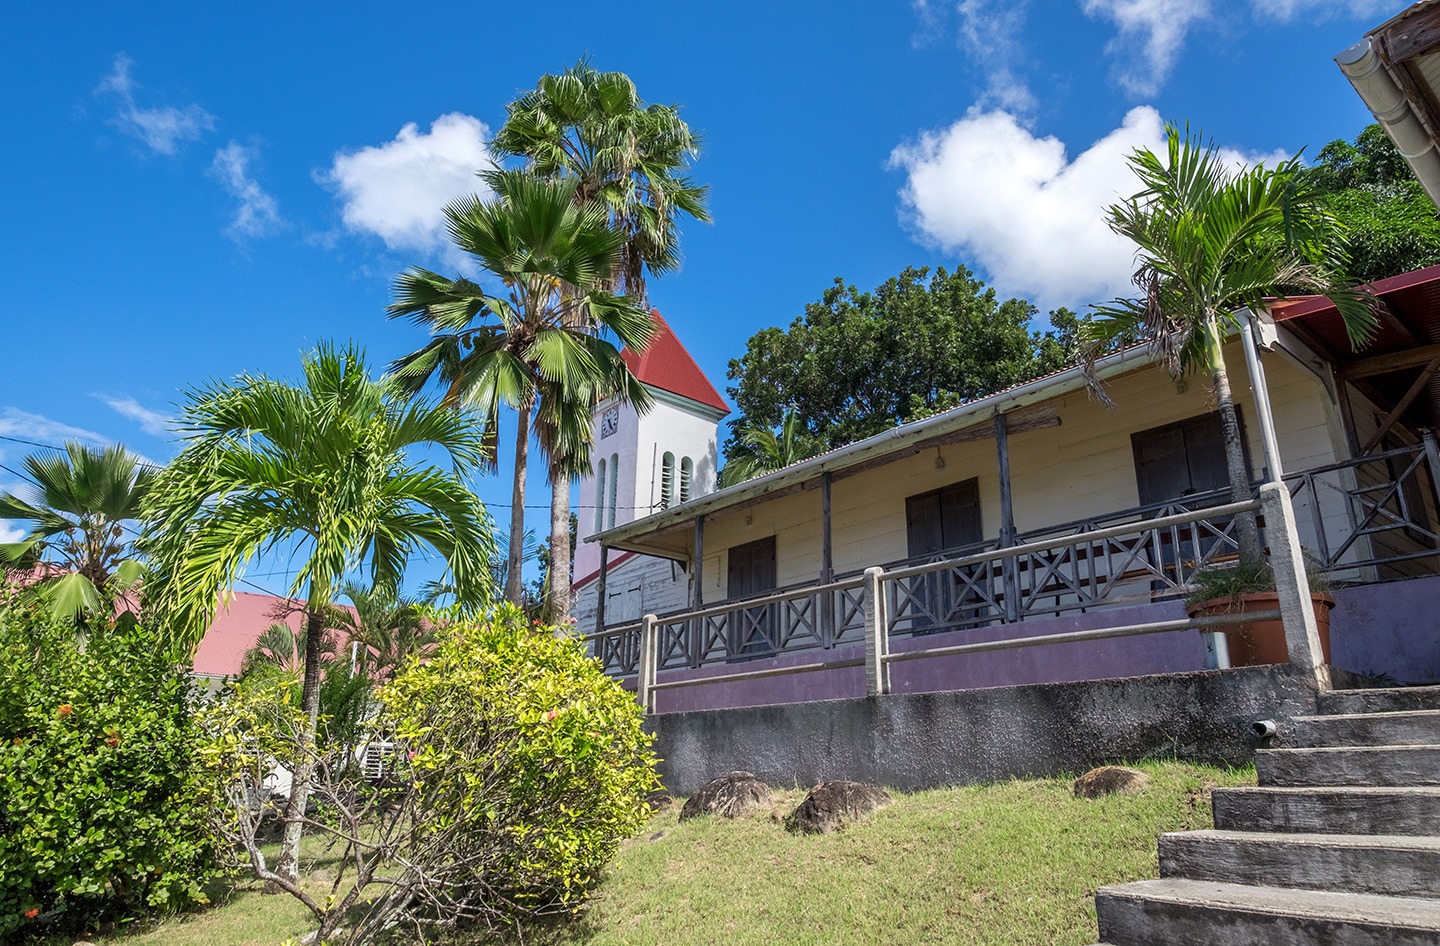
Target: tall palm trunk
x,y
558,605
515,554
1247,532
288,863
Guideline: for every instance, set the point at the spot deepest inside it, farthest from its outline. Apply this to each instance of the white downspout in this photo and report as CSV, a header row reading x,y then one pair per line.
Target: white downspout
x,y
1378,90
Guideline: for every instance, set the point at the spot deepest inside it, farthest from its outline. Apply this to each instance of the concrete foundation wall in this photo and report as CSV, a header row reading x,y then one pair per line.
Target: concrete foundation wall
x,y
927,740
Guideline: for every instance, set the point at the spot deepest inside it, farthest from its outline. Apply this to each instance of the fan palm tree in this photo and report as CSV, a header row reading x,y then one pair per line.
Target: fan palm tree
x,y
541,348
762,451
1213,242
77,516
319,472
591,128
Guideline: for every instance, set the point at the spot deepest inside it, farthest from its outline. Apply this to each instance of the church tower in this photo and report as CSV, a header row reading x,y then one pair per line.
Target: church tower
x,y
643,464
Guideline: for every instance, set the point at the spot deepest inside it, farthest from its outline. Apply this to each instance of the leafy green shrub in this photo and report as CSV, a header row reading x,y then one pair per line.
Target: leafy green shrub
x,y
103,809
516,734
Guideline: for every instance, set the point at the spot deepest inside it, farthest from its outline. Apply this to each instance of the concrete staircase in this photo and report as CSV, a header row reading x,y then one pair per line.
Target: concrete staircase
x,y
1339,846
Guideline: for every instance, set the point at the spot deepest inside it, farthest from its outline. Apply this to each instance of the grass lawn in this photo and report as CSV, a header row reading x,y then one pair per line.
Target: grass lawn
x,y
1015,863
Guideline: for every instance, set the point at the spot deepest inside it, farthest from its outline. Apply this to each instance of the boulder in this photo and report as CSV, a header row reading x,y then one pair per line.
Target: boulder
x,y
660,801
729,796
832,805
1109,779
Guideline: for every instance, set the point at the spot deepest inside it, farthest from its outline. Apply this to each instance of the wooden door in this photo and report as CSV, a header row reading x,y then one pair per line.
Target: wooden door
x,y
935,522
751,572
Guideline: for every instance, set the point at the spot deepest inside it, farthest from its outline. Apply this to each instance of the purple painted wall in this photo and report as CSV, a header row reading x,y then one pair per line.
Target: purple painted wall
x,y
1055,663
1391,629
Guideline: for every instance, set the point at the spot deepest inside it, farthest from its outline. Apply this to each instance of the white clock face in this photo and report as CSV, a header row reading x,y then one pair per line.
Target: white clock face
x,y
609,422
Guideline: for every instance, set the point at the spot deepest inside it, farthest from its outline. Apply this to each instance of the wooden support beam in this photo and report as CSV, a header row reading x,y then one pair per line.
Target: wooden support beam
x,y
1007,518
1405,402
697,558
827,561
1395,361
600,589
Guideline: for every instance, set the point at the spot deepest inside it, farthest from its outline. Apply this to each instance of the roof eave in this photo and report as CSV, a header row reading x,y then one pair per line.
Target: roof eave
x,y
891,441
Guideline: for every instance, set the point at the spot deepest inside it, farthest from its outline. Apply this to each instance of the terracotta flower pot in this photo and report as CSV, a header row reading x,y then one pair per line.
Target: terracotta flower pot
x,y
1262,642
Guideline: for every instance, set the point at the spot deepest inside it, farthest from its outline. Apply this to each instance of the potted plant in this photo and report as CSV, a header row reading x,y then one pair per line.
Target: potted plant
x,y
1245,587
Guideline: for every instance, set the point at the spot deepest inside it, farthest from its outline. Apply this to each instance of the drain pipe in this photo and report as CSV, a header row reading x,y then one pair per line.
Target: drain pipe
x,y
1377,88
1263,728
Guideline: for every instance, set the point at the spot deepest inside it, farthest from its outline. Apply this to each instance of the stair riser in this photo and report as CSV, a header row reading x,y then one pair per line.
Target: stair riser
x,y
1382,767
1337,702
1126,921
1387,871
1322,812
1317,732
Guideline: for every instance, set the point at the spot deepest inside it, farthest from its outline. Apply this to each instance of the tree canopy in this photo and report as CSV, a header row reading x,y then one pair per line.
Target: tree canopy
x,y
1391,222
857,363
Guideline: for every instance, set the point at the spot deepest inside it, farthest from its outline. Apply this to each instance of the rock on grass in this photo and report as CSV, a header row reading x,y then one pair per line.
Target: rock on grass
x,y
1109,779
832,805
728,796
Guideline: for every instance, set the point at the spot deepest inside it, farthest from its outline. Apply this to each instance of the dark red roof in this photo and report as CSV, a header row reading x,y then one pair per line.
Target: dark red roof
x,y
666,365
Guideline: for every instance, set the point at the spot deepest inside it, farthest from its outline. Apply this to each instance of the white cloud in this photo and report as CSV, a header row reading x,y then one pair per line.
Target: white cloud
x,y
1022,209
989,33
1152,33
9,534
398,191
161,128
1286,10
152,422
257,213
40,429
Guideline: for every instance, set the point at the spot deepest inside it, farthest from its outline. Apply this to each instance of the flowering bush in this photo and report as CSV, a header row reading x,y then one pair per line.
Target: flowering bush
x,y
103,810
517,732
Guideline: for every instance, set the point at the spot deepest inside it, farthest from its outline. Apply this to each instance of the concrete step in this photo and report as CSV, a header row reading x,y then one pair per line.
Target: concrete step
x,y
1347,810
1350,863
1200,913
1405,728
1387,700
1349,765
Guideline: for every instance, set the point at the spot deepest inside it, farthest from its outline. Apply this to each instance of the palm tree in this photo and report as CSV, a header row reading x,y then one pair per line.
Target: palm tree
x,y
77,515
1213,242
541,347
282,646
387,627
763,451
591,128
319,472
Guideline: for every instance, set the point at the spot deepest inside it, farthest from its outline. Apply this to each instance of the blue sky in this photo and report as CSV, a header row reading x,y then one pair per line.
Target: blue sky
x,y
195,190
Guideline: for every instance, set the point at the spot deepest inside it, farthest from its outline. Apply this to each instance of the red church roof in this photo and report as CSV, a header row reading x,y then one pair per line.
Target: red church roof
x,y
666,365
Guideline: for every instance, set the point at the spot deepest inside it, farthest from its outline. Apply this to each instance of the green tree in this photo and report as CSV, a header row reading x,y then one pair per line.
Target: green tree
x,y
541,348
104,804
1212,243
321,472
761,450
77,516
388,627
592,128
858,363
1390,221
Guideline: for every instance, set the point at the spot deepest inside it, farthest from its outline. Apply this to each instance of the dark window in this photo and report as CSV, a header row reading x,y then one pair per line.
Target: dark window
x,y
1183,459
1175,462
935,522
943,519
751,572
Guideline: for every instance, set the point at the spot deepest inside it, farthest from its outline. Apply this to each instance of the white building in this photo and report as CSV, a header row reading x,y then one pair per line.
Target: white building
x,y
644,464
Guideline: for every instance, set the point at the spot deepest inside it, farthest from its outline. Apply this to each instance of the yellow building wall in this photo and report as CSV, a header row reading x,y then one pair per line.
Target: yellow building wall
x,y
1078,470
